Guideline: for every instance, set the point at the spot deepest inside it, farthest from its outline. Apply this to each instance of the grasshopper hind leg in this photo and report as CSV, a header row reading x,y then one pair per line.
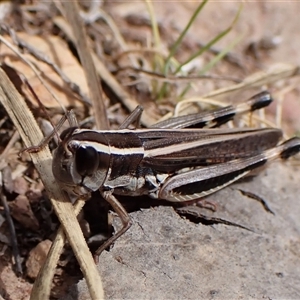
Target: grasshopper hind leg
x,y
204,181
133,119
217,117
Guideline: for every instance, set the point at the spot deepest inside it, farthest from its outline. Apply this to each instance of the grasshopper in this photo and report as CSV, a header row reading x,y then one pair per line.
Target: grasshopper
x,y
181,159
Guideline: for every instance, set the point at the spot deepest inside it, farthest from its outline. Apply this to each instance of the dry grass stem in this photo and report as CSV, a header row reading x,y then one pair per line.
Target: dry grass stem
x,y
31,135
129,102
72,14
275,73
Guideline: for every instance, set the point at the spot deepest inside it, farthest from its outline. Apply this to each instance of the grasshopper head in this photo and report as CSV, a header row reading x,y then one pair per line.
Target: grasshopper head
x,y
77,165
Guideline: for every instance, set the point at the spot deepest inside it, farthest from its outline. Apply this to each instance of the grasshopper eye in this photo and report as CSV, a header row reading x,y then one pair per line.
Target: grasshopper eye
x,y
86,160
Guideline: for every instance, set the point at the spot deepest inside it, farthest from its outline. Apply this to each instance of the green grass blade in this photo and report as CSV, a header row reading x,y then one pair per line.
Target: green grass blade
x,y
158,62
154,25
211,43
217,58
181,36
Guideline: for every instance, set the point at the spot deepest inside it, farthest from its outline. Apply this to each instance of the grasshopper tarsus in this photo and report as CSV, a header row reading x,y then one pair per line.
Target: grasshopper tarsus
x,y
203,203
70,116
31,149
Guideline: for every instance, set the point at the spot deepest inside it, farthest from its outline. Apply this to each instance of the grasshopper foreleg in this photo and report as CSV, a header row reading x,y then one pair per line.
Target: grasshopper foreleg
x,y
125,219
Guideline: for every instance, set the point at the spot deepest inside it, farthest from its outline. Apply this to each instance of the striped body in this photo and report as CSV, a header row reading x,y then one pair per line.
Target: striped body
x,y
175,165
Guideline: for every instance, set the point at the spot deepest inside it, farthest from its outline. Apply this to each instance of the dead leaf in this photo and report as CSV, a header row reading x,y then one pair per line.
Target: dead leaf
x,y
57,50
21,211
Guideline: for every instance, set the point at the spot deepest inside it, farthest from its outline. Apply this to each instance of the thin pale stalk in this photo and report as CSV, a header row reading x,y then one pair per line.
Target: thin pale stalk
x,y
31,135
71,11
210,43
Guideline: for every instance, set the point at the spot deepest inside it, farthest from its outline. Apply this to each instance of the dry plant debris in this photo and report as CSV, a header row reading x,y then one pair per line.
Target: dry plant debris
x,y
38,48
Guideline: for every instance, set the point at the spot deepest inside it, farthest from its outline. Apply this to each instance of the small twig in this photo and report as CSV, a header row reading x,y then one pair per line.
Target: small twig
x,y
172,79
142,51
257,198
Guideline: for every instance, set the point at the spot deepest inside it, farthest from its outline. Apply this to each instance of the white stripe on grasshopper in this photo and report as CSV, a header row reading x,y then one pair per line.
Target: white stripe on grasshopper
x,y
99,147
189,145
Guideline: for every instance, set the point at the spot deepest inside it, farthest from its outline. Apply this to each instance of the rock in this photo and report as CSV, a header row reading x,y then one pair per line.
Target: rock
x,y
165,256
37,257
